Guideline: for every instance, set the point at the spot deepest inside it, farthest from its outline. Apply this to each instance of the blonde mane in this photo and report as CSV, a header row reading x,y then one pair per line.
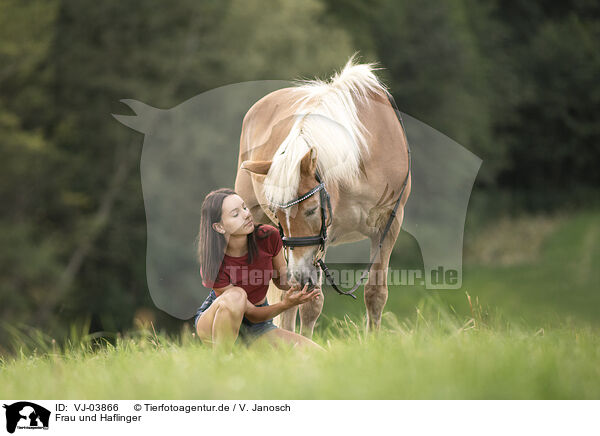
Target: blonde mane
x,y
325,118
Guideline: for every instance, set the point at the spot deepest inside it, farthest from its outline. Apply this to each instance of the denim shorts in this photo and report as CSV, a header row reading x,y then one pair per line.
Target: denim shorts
x,y
249,331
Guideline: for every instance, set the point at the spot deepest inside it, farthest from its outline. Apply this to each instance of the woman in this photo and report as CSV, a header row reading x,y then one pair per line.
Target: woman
x,y
237,260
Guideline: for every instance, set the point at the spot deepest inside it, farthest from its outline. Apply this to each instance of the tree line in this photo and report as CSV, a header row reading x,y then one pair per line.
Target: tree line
x,y
516,83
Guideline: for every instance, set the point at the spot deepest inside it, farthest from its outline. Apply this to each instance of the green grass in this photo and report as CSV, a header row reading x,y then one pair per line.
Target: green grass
x,y
561,284
529,330
432,356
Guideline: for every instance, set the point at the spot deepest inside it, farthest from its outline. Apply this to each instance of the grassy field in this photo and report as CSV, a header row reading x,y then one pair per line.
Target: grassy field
x,y
529,330
538,271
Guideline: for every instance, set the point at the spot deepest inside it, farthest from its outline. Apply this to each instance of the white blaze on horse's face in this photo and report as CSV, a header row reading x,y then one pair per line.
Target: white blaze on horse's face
x,y
303,219
300,219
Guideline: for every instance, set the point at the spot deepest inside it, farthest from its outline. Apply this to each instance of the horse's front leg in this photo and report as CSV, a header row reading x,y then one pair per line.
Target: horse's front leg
x,y
309,313
287,319
376,289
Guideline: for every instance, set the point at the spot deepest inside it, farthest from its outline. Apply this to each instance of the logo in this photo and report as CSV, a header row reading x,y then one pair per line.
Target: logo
x,y
189,149
26,415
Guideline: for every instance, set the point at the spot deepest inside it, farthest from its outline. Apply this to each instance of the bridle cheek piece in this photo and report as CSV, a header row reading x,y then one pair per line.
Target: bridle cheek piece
x,y
321,238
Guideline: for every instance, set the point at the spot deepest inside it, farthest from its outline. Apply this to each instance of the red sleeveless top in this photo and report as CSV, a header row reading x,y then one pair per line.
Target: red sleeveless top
x,y
254,278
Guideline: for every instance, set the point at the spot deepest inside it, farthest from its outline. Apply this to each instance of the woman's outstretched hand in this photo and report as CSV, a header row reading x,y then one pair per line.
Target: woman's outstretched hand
x,y
294,296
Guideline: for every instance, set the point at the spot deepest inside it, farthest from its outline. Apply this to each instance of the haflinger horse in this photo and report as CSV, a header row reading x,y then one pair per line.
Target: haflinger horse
x,y
338,142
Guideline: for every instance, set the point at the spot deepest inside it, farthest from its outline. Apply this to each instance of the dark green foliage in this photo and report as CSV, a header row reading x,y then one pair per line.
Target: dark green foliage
x,y
515,83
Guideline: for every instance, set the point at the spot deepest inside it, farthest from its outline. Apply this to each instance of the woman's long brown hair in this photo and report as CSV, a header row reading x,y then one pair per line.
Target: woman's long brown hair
x,y
211,244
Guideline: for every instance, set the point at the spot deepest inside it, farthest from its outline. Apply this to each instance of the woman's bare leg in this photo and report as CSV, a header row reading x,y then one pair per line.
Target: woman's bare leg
x,y
219,325
277,336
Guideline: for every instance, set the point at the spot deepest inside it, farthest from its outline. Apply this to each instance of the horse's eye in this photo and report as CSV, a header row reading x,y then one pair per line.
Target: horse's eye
x,y
311,211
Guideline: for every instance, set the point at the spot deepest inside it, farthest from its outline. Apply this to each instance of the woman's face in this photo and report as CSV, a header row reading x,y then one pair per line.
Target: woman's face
x,y
236,218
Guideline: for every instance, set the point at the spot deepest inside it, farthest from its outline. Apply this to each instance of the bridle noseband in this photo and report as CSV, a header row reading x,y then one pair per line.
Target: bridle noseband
x,y
321,238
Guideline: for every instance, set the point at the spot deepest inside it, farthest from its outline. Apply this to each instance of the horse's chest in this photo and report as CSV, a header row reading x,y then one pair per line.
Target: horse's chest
x,y
347,225
344,238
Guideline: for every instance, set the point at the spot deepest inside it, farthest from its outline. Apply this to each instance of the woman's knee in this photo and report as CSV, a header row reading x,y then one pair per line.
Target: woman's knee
x,y
234,300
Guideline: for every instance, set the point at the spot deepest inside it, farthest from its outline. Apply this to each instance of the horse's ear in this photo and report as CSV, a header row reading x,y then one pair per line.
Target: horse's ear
x,y
258,167
308,165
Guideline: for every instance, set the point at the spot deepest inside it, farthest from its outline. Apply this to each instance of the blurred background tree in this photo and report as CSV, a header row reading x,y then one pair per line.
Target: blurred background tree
x,y
515,83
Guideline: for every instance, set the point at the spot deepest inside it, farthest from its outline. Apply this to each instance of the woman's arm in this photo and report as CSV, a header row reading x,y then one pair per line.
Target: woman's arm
x,y
259,314
290,299
280,272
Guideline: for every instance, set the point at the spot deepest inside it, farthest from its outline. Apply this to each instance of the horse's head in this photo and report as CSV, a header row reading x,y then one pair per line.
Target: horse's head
x,y
302,219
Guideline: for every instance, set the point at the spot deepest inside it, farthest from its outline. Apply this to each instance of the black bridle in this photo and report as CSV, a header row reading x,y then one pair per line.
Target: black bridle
x,y
321,238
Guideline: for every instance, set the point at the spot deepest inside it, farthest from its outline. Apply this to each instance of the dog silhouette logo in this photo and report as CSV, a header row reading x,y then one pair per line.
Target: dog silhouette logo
x,y
26,415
